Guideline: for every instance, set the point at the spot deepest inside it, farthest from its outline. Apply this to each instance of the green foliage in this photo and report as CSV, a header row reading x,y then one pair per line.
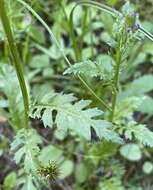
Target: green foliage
x,y
10,87
131,152
10,181
54,154
39,61
125,109
81,173
73,116
28,182
146,106
26,147
129,127
148,167
66,169
37,34
49,172
80,146
100,68
102,150
140,86
111,184
88,67
115,181
140,132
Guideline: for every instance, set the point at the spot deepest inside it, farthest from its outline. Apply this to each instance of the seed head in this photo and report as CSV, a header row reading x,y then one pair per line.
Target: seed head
x,y
50,172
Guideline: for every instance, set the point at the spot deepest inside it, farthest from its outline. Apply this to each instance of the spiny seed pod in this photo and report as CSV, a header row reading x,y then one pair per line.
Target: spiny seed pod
x,y
50,172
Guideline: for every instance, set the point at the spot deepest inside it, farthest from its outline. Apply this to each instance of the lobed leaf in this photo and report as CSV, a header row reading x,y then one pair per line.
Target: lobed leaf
x,y
73,116
102,67
26,148
141,133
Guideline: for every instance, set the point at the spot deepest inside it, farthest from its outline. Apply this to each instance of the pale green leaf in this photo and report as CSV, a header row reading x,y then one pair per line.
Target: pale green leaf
x,y
140,132
81,173
147,167
29,183
88,68
50,152
66,169
131,152
146,106
111,184
10,181
26,147
39,61
9,85
140,86
100,68
37,33
102,150
72,115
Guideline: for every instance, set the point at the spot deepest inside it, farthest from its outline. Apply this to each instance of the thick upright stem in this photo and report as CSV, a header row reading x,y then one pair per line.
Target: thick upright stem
x,y
16,57
116,84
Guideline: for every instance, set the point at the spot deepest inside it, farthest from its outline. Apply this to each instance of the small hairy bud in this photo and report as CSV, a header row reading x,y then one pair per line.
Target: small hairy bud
x,y
130,20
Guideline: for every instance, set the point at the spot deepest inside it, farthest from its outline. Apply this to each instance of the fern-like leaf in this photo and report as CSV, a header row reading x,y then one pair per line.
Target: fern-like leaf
x,y
140,132
26,149
87,67
9,85
99,68
73,116
112,184
29,183
127,125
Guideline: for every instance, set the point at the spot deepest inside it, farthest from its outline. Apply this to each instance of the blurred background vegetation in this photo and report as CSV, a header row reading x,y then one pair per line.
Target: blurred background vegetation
x,y
84,166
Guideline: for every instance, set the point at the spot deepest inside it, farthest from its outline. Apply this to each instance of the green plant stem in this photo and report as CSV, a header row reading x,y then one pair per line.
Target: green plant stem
x,y
77,51
88,3
146,33
62,51
93,4
16,58
116,83
114,13
96,5
91,34
92,92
